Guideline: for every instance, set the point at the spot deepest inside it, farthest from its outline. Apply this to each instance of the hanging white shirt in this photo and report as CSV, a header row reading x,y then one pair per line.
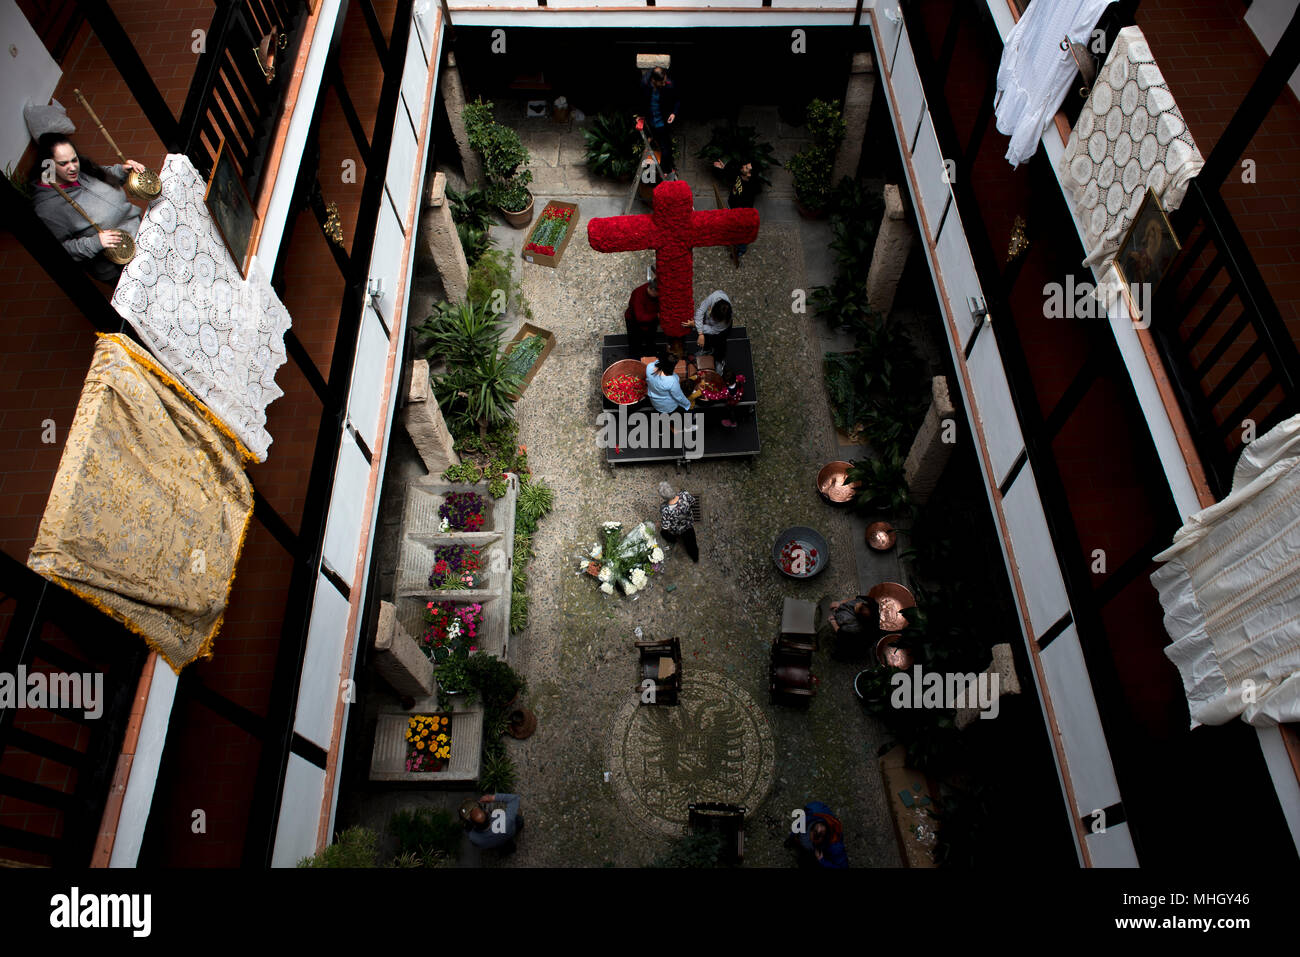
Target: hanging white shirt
x,y
1035,73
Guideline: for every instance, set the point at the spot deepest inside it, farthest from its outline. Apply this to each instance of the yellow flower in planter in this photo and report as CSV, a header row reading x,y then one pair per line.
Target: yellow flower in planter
x,y
420,745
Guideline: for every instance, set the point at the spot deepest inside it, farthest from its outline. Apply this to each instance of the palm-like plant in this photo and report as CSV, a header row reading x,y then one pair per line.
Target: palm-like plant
x,y
460,333
614,146
741,144
478,393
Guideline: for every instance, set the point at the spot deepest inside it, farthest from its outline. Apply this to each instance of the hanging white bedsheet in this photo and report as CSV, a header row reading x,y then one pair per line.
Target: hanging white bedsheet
x,y
1130,135
1231,591
1035,73
220,334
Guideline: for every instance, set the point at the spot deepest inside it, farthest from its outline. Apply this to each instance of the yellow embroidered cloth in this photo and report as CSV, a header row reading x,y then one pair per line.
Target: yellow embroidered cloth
x,y
150,505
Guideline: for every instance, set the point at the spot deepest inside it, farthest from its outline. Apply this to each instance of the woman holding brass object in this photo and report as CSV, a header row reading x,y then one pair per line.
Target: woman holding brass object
x,y
85,207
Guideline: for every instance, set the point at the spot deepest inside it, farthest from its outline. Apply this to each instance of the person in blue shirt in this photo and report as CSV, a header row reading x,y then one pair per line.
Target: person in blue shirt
x,y
489,829
823,838
663,387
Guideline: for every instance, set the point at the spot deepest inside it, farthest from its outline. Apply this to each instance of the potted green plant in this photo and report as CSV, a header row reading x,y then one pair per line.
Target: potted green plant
x,y
505,161
453,678
614,147
811,167
741,144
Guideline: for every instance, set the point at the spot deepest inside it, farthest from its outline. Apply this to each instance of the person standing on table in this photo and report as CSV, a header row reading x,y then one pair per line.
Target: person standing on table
x,y
713,326
743,187
642,317
97,190
660,102
663,387
677,520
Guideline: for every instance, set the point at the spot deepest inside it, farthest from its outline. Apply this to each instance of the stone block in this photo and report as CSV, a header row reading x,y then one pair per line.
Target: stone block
x,y
398,659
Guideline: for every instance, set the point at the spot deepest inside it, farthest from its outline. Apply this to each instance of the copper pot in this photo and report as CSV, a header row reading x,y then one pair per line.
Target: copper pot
x,y
833,484
892,598
631,367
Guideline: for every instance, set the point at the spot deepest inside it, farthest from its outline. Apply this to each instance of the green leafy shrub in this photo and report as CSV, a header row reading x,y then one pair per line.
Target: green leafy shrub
x,y
472,213
467,473
497,486
614,146
811,168
425,831
498,684
503,155
518,611
498,774
460,333
883,485
494,286
740,144
535,500
355,847
477,393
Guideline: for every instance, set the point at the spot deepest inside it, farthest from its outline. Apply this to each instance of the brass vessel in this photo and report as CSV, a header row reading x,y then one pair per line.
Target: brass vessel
x,y
145,185
120,254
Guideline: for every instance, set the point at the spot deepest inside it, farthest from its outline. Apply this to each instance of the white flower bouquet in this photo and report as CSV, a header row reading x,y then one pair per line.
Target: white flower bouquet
x,y
623,561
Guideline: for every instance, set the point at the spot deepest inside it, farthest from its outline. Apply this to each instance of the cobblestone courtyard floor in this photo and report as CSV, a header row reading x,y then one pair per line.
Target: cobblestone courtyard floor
x,y
577,650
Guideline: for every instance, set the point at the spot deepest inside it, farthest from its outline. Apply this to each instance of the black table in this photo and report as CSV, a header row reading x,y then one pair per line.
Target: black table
x,y
718,441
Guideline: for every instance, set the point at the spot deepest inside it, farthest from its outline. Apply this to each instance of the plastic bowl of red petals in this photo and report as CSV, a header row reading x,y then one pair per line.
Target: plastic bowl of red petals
x,y
801,552
624,382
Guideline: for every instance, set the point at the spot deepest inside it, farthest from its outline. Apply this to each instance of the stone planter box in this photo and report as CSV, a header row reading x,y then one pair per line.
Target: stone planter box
x,y
388,759
493,634
415,560
420,516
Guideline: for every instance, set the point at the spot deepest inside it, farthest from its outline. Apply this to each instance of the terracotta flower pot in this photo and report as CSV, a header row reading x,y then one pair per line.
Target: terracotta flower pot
x,y
521,218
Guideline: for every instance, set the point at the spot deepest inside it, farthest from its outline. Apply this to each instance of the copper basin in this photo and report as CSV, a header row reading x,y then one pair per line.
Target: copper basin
x,y
833,484
623,367
892,598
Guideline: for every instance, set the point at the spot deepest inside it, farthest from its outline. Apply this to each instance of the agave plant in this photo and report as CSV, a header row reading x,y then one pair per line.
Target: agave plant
x,y
741,144
478,393
460,333
614,146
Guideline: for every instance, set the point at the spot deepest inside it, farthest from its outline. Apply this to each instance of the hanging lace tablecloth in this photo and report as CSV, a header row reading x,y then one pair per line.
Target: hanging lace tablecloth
x,y
1035,74
1130,135
220,334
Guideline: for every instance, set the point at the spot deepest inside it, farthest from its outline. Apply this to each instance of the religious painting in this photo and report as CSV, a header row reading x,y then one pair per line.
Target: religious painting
x,y
1148,248
231,207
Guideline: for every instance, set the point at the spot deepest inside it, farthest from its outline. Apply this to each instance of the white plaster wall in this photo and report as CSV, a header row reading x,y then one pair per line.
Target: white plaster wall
x,y
1268,19
993,404
958,269
295,834
386,258
368,380
1036,560
320,689
144,767
1091,771
30,76
927,165
343,528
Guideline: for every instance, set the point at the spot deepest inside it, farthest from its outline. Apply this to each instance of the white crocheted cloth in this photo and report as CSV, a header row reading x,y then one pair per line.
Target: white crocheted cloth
x,y
221,335
1035,73
1130,135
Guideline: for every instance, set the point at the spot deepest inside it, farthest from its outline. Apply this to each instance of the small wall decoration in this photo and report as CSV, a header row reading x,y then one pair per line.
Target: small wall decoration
x,y
1148,248
231,206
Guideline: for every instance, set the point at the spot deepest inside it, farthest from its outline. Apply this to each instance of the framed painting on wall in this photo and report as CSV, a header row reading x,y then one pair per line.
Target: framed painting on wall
x,y
231,207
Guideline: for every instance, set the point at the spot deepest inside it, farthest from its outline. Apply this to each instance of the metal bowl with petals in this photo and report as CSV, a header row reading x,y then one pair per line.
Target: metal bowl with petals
x,y
833,484
628,367
892,598
798,541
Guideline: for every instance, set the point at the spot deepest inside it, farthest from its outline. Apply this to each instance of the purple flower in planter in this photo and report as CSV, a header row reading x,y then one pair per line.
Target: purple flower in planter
x,y
463,511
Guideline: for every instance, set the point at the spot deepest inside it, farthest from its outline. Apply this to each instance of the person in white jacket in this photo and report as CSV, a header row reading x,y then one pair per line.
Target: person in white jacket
x,y
713,319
